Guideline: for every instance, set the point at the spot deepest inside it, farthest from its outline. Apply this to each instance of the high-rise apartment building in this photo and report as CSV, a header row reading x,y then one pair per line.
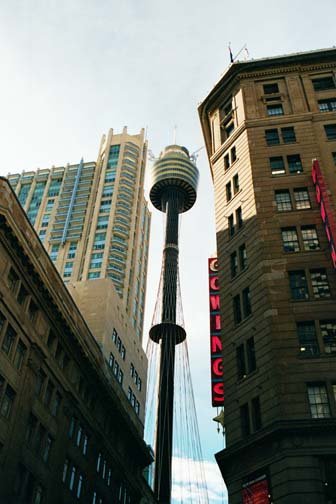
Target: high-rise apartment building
x,y
93,218
263,123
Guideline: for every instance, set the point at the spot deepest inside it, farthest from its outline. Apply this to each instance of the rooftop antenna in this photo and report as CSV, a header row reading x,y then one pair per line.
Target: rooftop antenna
x,y
234,58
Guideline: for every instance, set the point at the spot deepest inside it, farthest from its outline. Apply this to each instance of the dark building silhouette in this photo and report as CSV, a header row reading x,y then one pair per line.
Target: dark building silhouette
x,y
66,434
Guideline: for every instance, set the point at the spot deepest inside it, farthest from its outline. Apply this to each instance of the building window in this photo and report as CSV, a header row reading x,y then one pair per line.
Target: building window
x,y
65,469
79,435
256,414
231,225
306,333
277,165
99,241
42,234
330,130
19,356
68,269
241,366
323,83
56,404
239,217
8,340
129,394
228,128
272,137
301,198
38,495
245,420
22,295
328,333
226,162
236,184
93,274
320,283
251,358
79,486
237,309
54,252
233,154
7,402
234,264
31,428
228,191
246,302
318,400
40,380
45,221
290,241
310,238
102,222
61,357
85,444
327,105
2,384
13,280
32,310
120,377
242,257
40,434
96,260
271,88
72,478
283,200
288,135
116,368
275,110
294,163
47,448
48,393
72,250
298,284
2,321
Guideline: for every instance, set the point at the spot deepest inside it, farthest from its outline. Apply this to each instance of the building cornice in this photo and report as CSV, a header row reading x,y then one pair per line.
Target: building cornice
x,y
261,68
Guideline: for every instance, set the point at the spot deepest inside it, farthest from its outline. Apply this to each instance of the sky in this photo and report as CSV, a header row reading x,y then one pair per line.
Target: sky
x,y
72,69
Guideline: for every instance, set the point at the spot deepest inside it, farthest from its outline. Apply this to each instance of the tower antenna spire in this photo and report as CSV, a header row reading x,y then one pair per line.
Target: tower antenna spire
x,y
175,179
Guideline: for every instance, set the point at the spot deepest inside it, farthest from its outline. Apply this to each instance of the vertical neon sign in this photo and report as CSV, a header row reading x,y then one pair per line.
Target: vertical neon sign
x,y
216,347
323,199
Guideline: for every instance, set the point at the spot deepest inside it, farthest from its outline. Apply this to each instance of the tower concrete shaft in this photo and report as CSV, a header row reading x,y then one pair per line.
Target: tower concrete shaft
x,y
174,191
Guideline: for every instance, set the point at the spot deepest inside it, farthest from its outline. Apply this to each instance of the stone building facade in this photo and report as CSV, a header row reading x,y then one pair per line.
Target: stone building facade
x,y
263,123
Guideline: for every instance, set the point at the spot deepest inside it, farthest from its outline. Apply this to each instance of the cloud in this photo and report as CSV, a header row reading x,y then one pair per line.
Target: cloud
x,y
193,485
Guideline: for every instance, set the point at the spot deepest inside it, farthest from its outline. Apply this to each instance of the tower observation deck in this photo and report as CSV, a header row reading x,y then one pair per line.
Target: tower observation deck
x,y
174,186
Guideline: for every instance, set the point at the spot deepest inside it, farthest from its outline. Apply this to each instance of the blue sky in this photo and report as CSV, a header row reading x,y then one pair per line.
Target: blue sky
x,y
71,69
